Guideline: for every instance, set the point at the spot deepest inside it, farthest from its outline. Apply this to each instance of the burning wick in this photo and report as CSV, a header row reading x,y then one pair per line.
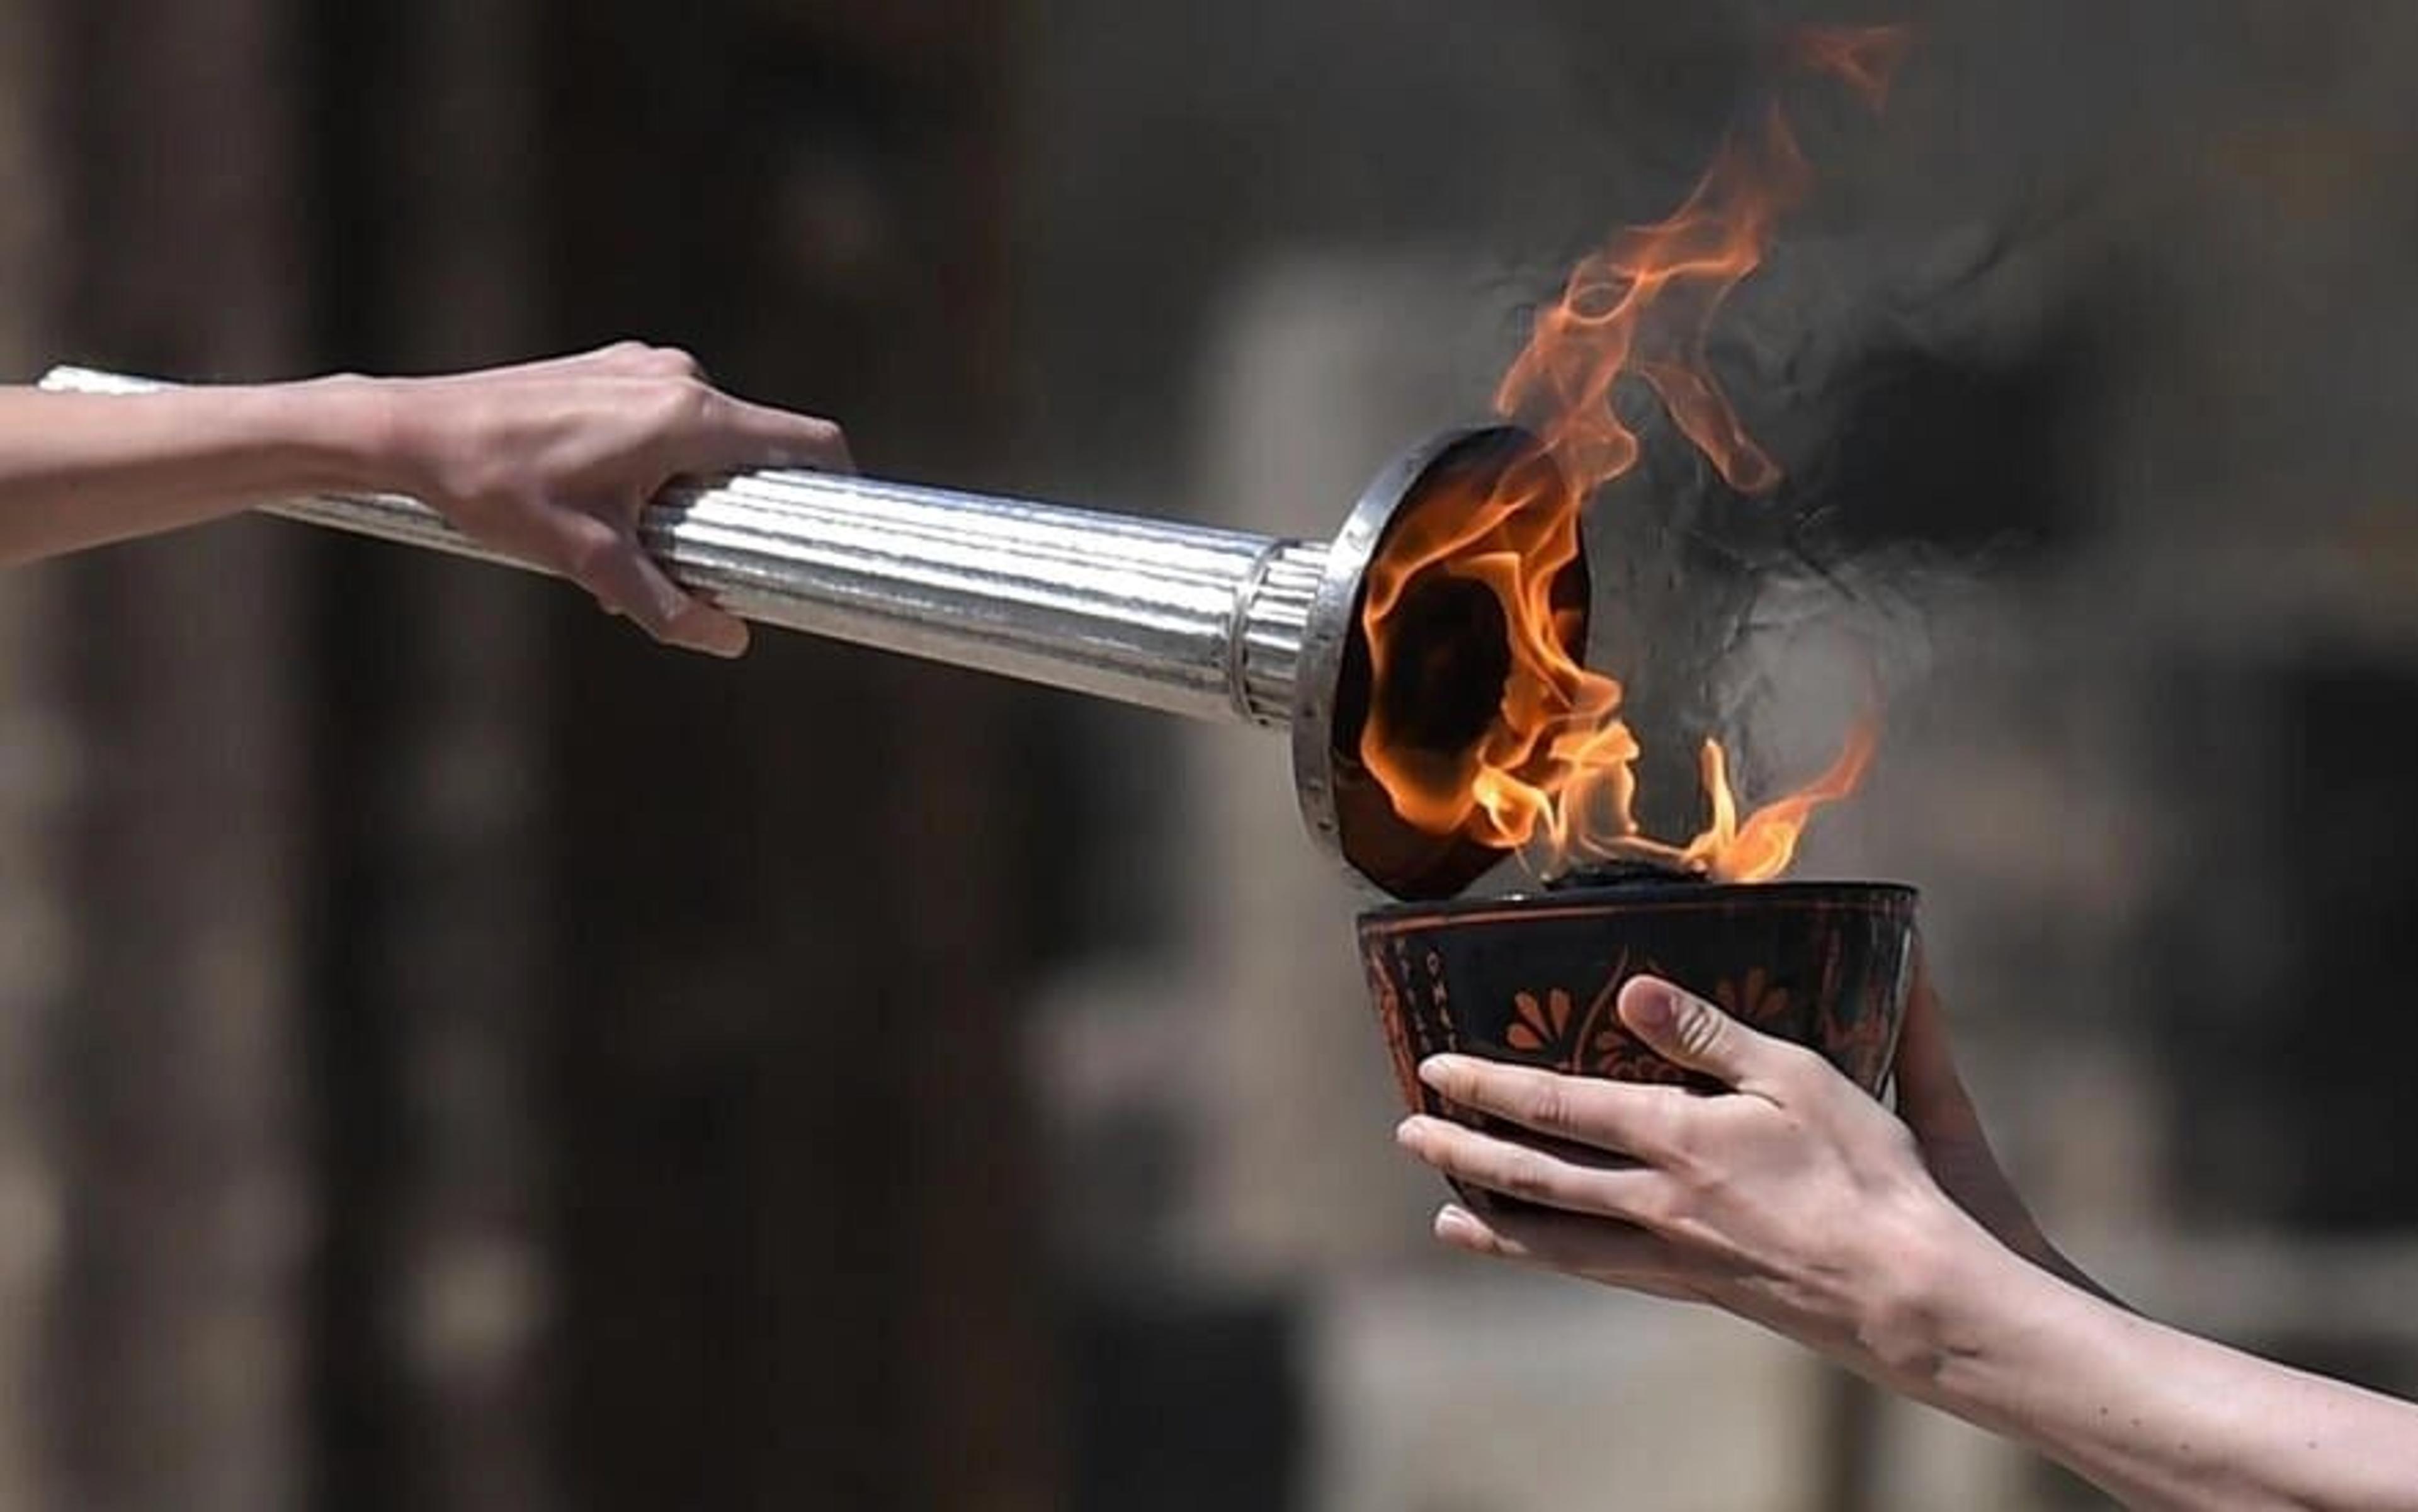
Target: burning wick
x,y
1548,770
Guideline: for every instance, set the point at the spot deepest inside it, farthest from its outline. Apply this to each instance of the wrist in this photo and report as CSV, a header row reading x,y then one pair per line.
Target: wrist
x,y
1995,1326
337,435
1947,1283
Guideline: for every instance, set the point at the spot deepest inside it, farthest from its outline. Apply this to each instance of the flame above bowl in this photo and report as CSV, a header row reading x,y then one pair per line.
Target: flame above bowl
x,y
1549,767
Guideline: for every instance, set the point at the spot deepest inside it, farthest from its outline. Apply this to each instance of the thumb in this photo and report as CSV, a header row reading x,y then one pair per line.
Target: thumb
x,y
1687,1031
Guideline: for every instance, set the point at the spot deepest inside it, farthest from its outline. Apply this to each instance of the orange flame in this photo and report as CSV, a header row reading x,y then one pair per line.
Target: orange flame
x,y
1864,58
1679,272
1555,767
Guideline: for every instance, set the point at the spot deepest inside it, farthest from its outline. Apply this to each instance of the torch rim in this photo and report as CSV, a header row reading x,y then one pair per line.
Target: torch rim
x,y
1332,629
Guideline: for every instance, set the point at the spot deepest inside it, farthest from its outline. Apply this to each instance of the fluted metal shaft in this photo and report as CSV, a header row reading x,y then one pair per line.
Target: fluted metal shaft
x,y
1182,617
1215,624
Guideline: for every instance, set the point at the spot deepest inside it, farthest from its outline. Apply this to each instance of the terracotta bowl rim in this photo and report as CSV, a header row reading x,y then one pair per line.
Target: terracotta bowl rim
x,y
1640,896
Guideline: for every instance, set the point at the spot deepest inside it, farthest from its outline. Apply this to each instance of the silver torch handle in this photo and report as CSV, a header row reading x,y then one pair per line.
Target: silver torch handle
x,y
1186,618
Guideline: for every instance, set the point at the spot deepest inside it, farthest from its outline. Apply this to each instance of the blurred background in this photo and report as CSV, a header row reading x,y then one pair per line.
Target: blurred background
x,y
452,1054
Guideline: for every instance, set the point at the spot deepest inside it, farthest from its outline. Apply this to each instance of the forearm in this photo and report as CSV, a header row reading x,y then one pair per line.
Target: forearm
x,y
80,470
2151,1415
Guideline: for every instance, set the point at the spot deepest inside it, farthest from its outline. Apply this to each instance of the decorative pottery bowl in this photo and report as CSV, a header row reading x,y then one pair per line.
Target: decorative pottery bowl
x,y
1534,979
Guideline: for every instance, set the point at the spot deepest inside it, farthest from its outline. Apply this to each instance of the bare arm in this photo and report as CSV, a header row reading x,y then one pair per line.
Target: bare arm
x,y
2150,1414
80,470
1798,1202
551,462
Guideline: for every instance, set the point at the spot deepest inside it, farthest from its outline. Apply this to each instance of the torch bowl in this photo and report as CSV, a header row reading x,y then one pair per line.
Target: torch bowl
x,y
1534,980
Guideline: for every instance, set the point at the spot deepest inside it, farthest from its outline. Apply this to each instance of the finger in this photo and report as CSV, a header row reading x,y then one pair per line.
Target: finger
x,y
735,434
627,581
1569,1182
1600,1249
1687,1031
1632,1118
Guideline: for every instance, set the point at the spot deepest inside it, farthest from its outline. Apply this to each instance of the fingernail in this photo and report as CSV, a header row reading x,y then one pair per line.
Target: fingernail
x,y
1440,1071
1454,1224
1653,1006
1407,1131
